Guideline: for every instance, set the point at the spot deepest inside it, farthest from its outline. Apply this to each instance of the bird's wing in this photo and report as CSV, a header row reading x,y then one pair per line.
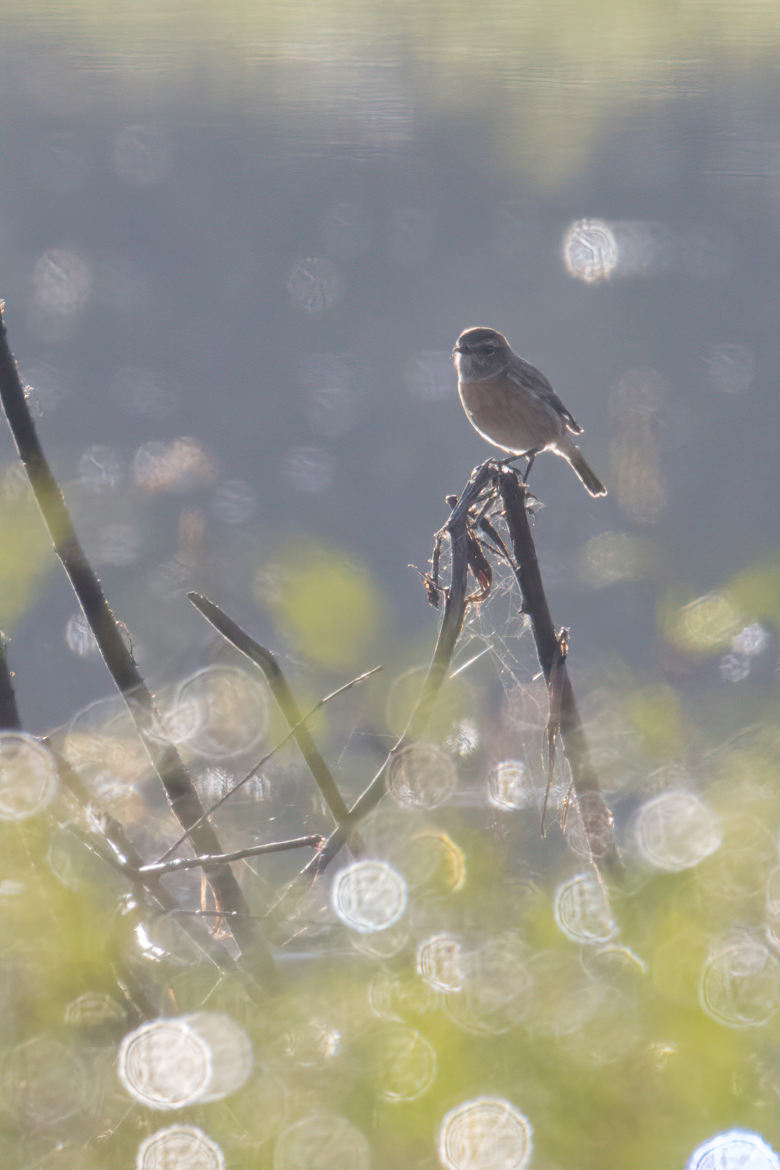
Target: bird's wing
x,y
526,376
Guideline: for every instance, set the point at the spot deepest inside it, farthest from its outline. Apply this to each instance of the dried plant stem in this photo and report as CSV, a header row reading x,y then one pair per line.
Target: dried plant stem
x,y
280,688
112,845
597,819
9,712
312,841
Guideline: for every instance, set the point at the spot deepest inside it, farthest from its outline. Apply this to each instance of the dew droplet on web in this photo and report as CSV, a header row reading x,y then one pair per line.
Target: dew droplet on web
x,y
369,896
28,776
740,982
676,830
582,911
322,1141
485,1133
737,1149
185,1147
421,775
590,250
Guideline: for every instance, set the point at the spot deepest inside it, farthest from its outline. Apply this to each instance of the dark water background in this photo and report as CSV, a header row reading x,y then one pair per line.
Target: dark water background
x,y
267,239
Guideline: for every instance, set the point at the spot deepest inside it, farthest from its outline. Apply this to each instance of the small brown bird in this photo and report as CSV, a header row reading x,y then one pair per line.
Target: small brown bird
x,y
512,405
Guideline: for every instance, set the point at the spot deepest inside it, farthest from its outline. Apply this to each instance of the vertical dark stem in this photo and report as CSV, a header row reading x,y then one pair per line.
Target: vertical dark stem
x,y
9,712
596,816
455,605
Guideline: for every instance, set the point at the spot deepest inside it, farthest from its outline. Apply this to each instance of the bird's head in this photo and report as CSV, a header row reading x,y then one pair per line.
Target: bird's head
x,y
480,350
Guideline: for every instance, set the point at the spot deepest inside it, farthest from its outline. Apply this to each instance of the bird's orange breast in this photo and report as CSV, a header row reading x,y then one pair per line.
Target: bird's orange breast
x,y
508,416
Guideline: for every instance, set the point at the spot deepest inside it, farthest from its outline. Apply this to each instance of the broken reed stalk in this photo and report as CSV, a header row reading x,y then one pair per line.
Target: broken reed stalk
x,y
312,841
177,783
280,689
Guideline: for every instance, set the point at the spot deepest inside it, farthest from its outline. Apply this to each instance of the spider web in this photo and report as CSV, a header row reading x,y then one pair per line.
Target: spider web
x,y
496,627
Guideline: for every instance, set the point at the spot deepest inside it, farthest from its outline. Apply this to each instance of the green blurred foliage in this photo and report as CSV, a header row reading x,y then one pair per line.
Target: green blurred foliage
x,y
708,623
594,1063
326,604
654,712
25,555
609,1049
755,590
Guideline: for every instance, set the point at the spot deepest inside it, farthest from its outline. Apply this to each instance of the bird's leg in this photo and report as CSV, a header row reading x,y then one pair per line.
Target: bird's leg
x,y
530,456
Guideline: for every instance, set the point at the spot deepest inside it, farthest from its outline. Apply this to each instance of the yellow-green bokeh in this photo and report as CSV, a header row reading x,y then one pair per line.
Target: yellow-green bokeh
x,y
706,624
325,603
25,556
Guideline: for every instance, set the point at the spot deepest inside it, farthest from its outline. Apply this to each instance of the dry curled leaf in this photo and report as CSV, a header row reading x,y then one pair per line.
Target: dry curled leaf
x,y
480,567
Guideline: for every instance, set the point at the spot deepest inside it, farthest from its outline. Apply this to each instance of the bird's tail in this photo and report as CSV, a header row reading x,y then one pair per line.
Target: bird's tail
x,y
581,468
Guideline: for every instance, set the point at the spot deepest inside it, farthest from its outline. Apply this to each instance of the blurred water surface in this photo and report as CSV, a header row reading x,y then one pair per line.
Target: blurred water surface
x,y
237,243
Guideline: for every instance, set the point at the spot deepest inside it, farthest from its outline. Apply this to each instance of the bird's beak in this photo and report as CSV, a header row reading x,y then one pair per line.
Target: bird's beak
x,y
458,349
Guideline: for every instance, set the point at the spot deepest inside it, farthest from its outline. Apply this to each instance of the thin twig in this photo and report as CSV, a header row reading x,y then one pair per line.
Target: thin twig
x,y
454,615
176,781
553,720
470,662
313,840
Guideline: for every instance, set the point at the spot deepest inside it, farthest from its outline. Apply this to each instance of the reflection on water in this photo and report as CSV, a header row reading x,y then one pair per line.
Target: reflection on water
x,y
62,282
